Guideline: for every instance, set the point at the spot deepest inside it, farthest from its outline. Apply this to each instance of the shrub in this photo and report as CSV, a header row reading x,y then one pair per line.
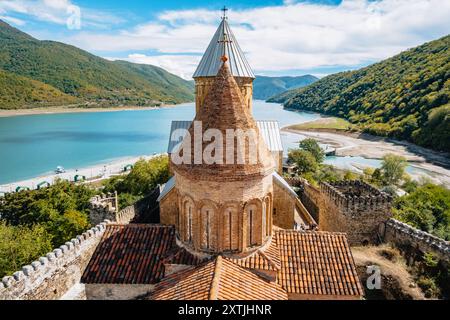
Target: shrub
x,y
313,147
19,245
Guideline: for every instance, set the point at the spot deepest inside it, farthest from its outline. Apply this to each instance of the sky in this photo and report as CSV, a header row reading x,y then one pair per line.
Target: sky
x,y
287,37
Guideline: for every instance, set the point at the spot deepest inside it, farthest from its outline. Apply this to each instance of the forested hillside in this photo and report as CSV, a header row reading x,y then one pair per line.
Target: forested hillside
x,y
85,78
405,97
17,92
266,87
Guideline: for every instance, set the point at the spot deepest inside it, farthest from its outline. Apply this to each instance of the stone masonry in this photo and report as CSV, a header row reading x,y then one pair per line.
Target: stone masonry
x,y
50,277
103,207
407,237
354,207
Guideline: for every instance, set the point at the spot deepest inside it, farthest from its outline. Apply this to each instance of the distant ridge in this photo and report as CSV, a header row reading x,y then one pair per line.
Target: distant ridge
x,y
37,73
266,87
404,97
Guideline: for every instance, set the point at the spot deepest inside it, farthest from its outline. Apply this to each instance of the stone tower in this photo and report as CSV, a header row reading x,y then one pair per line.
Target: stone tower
x,y
354,207
225,206
223,44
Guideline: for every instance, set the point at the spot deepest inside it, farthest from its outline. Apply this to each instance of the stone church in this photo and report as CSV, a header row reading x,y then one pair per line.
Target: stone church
x,y
227,231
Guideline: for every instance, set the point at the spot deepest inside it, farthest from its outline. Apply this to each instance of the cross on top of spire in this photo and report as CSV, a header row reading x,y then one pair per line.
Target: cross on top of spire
x,y
224,9
222,44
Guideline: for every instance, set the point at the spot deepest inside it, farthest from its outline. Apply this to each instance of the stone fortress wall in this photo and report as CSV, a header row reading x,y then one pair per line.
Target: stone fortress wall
x,y
60,271
51,276
414,240
346,205
354,207
103,207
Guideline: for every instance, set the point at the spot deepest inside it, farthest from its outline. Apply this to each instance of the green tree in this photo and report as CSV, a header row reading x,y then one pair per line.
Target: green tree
x,y
143,178
313,147
426,208
20,245
62,209
68,225
406,96
392,169
304,160
327,173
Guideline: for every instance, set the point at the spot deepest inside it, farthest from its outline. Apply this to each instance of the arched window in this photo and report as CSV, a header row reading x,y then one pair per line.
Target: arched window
x,y
230,229
188,214
264,220
252,225
207,219
267,217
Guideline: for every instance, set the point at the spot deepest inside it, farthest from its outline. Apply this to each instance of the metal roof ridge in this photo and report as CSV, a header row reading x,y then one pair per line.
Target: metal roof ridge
x,y
223,43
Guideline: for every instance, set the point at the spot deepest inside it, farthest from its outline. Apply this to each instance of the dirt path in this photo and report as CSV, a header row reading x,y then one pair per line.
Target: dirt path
x,y
395,269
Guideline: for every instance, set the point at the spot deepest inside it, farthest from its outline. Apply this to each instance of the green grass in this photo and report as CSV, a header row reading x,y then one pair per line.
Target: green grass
x,y
325,123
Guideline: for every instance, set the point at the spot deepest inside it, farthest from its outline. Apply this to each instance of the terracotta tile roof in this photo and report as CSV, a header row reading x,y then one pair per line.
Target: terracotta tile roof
x,y
219,279
182,256
272,251
130,254
317,263
267,259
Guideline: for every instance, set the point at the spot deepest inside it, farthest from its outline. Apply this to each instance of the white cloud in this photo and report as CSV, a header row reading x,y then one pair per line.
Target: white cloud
x,y
180,65
55,11
293,36
13,20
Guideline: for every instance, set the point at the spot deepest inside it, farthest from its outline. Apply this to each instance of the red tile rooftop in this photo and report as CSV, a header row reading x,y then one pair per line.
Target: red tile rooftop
x,y
312,264
317,263
133,254
219,279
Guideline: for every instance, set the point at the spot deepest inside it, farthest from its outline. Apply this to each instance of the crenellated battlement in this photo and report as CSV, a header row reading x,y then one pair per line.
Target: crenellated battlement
x,y
401,233
355,196
354,207
52,275
103,207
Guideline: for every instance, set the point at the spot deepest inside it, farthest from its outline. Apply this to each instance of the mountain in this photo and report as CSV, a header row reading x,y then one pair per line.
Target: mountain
x,y
404,97
266,87
67,74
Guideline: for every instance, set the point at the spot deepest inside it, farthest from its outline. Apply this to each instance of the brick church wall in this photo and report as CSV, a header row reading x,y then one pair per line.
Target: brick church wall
x,y
284,208
169,208
218,197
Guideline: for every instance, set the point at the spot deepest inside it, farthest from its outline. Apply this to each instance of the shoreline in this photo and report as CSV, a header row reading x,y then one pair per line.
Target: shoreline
x,y
92,173
356,144
412,152
4,113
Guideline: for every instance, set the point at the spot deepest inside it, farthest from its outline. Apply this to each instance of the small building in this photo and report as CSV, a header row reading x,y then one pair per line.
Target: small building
x,y
43,184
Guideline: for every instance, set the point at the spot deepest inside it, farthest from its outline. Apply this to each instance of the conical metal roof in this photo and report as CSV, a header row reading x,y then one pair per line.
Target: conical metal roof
x,y
224,44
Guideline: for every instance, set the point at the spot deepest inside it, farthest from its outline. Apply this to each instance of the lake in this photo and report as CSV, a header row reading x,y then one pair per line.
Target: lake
x,y
35,145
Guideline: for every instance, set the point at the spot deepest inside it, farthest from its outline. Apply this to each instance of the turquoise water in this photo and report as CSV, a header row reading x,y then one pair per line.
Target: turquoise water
x,y
34,145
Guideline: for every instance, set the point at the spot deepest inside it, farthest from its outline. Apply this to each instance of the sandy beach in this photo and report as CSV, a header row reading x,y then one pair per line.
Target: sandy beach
x,y
371,147
92,173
